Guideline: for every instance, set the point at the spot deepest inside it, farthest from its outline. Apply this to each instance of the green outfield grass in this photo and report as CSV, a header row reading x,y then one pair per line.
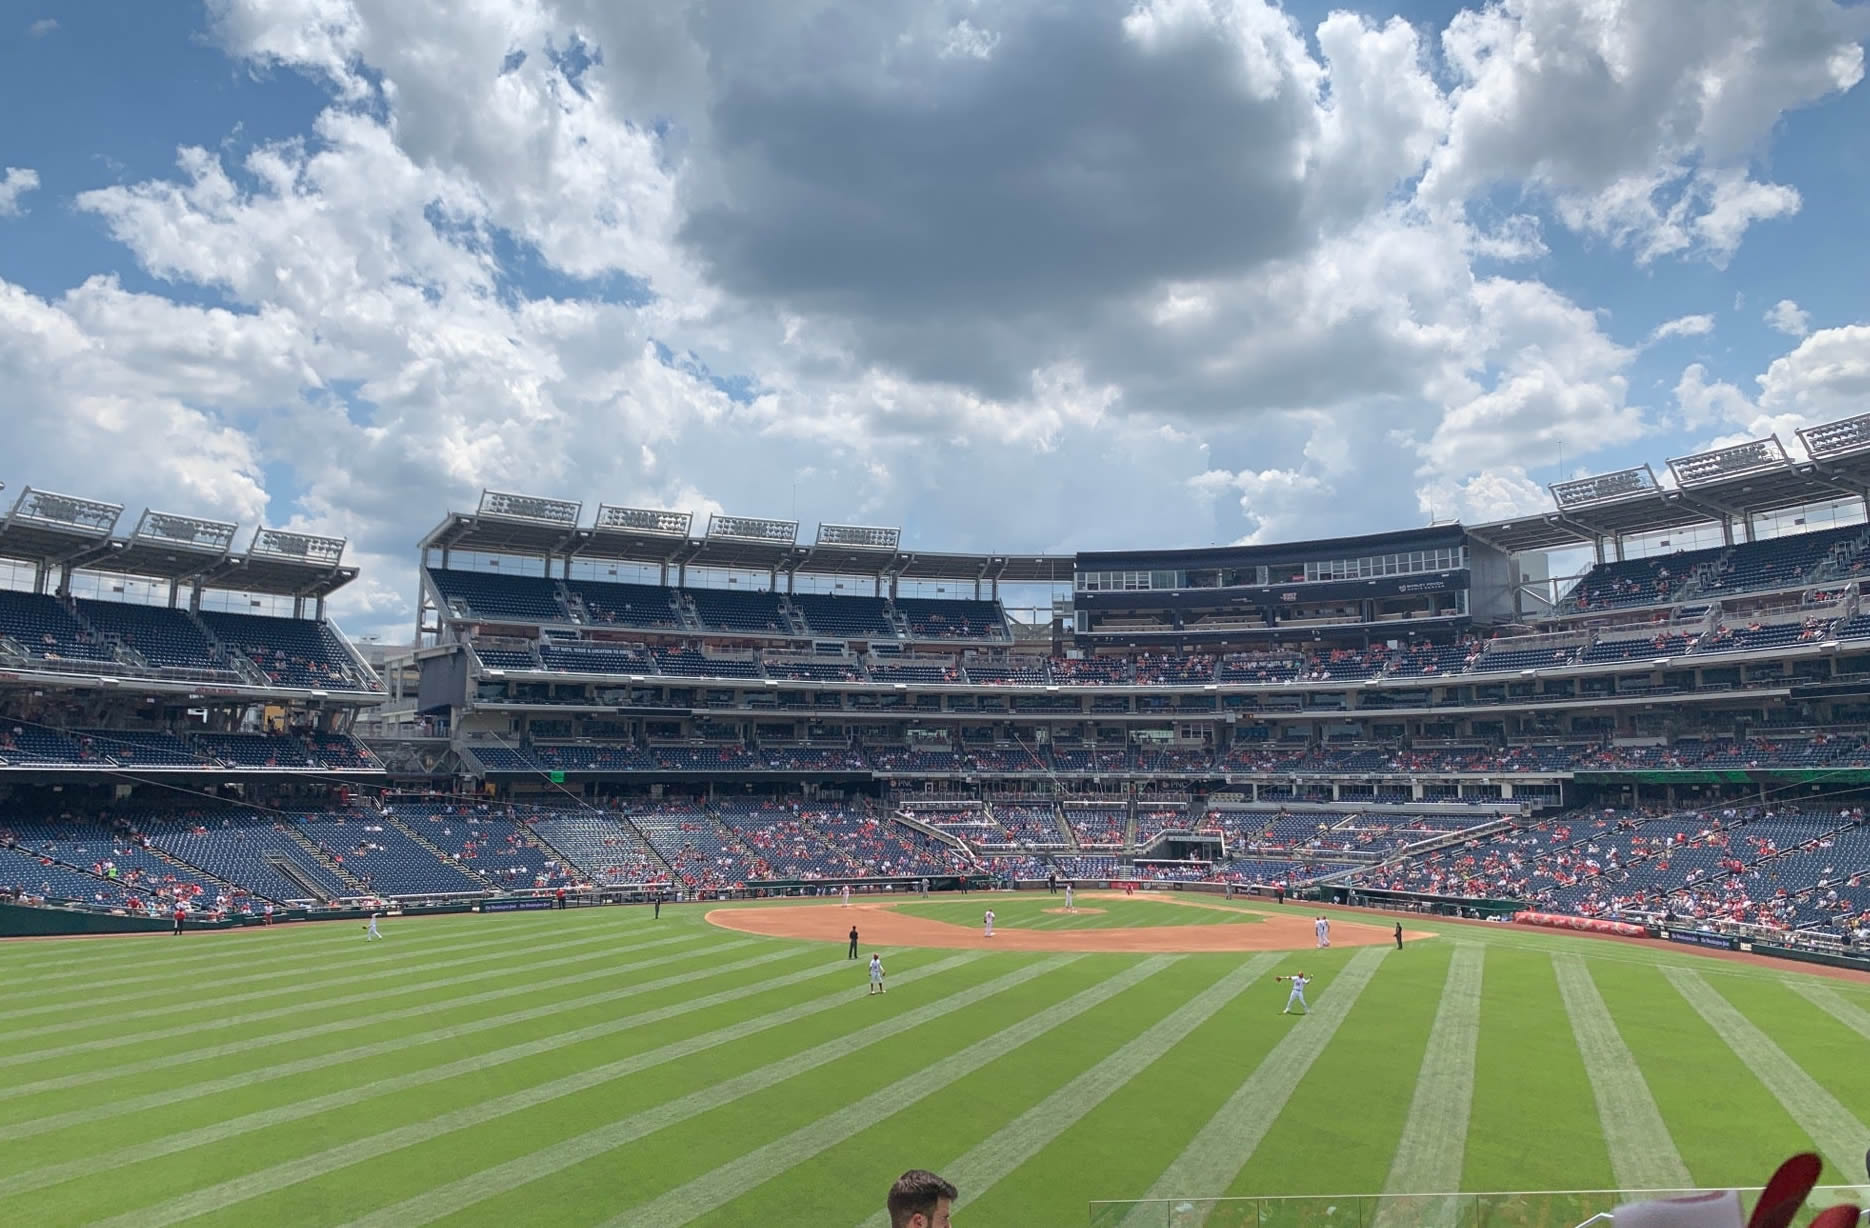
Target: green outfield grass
x,y
600,1067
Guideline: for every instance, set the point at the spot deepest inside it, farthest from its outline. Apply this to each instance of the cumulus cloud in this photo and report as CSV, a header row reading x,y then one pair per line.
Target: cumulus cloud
x,y
1683,326
1789,318
42,27
1144,272
1640,119
15,183
1826,376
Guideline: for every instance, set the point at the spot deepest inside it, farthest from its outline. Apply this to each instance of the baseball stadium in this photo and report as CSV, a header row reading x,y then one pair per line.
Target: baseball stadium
x,y
674,873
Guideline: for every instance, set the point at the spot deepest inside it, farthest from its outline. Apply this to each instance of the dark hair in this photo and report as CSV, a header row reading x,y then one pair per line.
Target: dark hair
x,y
917,1192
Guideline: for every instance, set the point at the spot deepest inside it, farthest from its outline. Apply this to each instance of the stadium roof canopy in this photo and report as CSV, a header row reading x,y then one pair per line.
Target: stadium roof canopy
x,y
523,524
45,528
1727,484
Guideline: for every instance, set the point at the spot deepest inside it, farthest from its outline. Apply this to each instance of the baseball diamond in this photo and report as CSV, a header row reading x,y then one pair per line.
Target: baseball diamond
x,y
723,1064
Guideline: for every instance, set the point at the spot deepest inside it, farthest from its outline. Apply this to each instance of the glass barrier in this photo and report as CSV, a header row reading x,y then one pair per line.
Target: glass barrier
x,y
1530,1209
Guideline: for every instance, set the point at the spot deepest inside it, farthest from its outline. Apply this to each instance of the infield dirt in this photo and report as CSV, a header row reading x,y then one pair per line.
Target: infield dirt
x,y
882,925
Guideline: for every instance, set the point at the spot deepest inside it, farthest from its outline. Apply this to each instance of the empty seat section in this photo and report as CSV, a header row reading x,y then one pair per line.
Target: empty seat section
x,y
293,652
935,618
44,628
608,850
245,848
161,636
831,614
687,663
486,595
627,605
728,609
142,747
256,750
383,858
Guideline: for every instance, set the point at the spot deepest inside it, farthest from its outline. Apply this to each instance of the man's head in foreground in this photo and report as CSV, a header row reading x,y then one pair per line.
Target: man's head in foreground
x,y
920,1199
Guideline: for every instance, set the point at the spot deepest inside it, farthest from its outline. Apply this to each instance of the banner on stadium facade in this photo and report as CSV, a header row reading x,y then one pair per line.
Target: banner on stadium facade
x,y
1701,938
531,904
1592,925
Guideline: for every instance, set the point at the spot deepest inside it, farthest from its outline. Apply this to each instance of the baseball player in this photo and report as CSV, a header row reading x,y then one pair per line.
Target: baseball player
x,y
987,922
1299,982
876,973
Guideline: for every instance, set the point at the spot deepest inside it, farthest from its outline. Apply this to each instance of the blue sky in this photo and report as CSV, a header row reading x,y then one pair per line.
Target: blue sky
x,y
740,257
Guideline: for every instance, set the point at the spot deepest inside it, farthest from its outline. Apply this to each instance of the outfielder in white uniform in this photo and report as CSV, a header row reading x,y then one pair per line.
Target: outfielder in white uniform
x,y
1299,982
1319,931
987,921
1071,900
876,974
846,895
371,934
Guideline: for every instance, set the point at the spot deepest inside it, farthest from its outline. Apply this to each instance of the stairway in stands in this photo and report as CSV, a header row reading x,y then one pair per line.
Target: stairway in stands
x,y
437,853
311,849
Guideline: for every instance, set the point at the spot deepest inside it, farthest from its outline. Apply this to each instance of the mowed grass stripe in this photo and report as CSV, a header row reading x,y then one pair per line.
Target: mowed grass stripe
x,y
1832,1128
514,1176
196,998
305,943
1105,1154
725,1183
1815,1041
996,1157
351,1023
1372,1059
1527,1068
226,1194
1848,1013
1700,1085
298,1110
1434,1139
214,1022
1642,1153
1221,1149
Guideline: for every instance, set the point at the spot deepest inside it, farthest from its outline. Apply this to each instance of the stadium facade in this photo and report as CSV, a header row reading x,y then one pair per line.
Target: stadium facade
x,y
634,701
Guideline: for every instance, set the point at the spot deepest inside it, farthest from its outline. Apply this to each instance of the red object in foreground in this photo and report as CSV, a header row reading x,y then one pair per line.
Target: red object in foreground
x,y
1836,1217
1785,1193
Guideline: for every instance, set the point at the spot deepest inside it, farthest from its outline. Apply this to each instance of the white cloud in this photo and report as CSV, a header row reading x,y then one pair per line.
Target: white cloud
x,y
1148,274
1498,495
17,181
42,27
1789,318
1640,119
1683,326
1826,376
1701,403
1276,503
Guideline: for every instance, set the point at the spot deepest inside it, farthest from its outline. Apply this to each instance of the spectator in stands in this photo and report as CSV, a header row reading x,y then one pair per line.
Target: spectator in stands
x,y
920,1199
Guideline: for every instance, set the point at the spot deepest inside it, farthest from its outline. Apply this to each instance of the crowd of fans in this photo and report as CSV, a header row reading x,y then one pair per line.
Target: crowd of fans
x,y
1771,869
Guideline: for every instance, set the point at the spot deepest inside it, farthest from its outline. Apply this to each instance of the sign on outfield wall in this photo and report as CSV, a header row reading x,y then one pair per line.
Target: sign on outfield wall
x,y
531,904
1701,938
